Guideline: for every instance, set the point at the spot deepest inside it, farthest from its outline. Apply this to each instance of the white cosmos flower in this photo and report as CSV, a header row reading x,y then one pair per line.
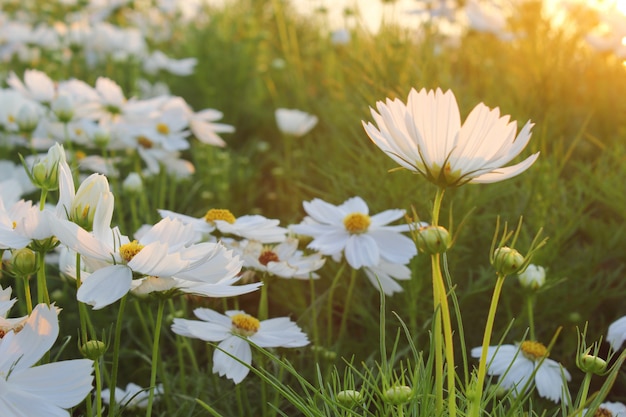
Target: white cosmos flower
x,y
234,330
533,277
609,409
44,390
425,135
617,333
37,85
348,229
165,250
282,260
515,366
295,122
253,227
385,275
133,396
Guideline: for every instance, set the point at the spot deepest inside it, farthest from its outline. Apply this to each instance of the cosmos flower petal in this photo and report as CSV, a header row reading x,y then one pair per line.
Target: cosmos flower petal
x,y
549,380
501,174
387,216
398,249
383,281
225,365
362,250
209,332
617,333
105,286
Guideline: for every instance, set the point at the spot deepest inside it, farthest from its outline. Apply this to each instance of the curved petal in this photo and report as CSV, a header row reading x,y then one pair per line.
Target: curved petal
x,y
550,380
105,286
209,332
225,364
501,174
362,250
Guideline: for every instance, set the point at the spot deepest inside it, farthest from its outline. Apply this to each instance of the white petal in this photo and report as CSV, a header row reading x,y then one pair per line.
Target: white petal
x,y
105,286
224,364
617,333
362,250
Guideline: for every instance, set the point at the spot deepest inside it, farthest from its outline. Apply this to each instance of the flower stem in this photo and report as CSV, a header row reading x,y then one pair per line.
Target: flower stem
x,y
530,305
329,305
42,284
584,391
263,312
98,378
27,294
482,364
346,305
116,355
155,355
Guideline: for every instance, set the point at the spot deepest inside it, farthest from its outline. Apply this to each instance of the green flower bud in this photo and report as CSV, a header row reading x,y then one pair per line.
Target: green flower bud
x,y
23,262
45,172
592,364
433,239
133,183
93,349
63,108
398,394
27,118
507,261
349,397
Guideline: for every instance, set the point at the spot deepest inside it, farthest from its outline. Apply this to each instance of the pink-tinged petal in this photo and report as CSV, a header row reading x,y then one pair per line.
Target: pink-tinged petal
x,y
550,380
62,384
154,259
225,364
105,286
362,250
19,351
209,332
501,174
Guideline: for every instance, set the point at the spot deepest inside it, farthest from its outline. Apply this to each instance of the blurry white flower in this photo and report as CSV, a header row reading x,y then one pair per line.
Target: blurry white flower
x,y
233,331
426,136
6,302
533,277
385,275
133,183
133,396
340,37
515,366
158,61
609,409
44,390
348,229
617,333
487,18
295,122
36,86
253,227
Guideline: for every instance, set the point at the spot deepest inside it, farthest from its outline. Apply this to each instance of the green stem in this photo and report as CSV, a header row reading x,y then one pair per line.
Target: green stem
x,y
346,306
98,378
42,284
27,295
584,391
329,305
155,355
316,336
116,355
482,364
82,311
530,305
263,312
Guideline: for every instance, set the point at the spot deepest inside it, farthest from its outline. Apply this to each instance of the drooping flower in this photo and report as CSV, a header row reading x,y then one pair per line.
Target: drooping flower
x,y
617,333
295,122
234,330
133,396
349,230
44,390
282,260
515,366
425,135
533,277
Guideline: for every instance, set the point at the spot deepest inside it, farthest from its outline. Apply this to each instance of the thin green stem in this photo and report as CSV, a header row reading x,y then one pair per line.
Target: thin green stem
x,y
42,284
155,355
329,305
584,392
116,354
263,312
27,295
98,378
346,305
482,364
530,305
82,311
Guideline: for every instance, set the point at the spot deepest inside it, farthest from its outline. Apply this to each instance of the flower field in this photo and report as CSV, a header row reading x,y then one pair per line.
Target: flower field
x,y
246,211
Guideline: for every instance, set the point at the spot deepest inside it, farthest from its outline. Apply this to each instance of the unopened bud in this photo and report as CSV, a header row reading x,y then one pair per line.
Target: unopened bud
x,y
93,349
433,239
398,394
592,364
63,108
507,261
533,277
27,118
349,397
23,262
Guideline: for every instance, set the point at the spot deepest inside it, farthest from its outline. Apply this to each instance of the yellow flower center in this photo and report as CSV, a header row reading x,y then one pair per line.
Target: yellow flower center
x,y
162,128
144,142
533,350
78,131
129,250
245,324
268,256
80,155
219,214
14,224
602,412
357,222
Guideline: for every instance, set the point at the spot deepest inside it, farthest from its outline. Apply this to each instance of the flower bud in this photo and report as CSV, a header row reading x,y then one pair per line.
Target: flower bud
x,y
398,394
23,262
433,239
63,108
133,183
92,193
100,137
93,349
45,172
592,364
349,397
507,261
533,277
27,118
